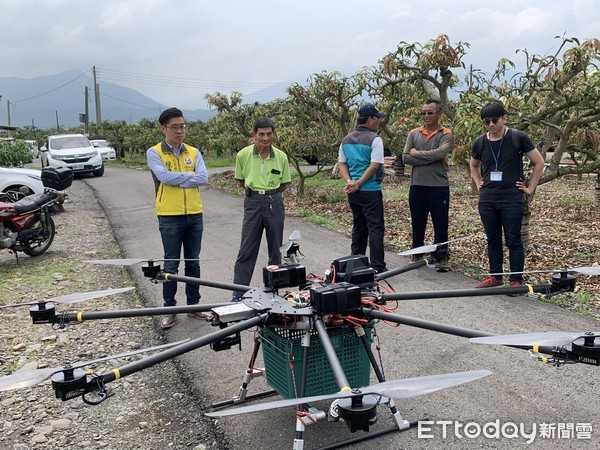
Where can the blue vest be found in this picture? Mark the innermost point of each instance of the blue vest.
(357, 149)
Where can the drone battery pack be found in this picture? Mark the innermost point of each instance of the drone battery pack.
(288, 275)
(58, 178)
(335, 298)
(354, 269)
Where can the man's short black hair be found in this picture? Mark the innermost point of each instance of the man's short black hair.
(264, 122)
(492, 110)
(169, 114)
(438, 105)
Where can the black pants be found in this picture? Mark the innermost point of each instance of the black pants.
(426, 200)
(261, 213)
(368, 225)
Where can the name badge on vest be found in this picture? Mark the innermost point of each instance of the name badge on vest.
(495, 176)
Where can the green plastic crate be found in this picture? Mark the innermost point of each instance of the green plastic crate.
(282, 347)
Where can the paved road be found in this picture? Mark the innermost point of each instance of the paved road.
(520, 390)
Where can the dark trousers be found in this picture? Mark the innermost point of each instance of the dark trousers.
(425, 201)
(496, 218)
(368, 225)
(177, 232)
(261, 212)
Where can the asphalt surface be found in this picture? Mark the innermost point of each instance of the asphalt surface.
(520, 391)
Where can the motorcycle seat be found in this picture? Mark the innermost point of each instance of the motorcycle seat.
(33, 202)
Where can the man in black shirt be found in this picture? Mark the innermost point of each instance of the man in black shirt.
(497, 169)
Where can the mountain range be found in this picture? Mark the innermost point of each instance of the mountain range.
(43, 101)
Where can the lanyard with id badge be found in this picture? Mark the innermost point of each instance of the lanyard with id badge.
(496, 175)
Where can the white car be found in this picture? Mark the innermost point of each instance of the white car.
(73, 151)
(13, 179)
(105, 151)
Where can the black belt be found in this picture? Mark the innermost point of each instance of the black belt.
(251, 192)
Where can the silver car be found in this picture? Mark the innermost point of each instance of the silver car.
(73, 151)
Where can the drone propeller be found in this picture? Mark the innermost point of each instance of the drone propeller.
(586, 270)
(551, 339)
(430, 248)
(132, 261)
(28, 378)
(73, 298)
(398, 389)
(295, 236)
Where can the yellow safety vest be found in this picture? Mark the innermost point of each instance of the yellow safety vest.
(174, 200)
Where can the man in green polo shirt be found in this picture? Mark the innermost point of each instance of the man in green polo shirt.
(264, 172)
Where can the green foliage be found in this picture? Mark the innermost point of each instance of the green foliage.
(14, 153)
(211, 162)
(313, 217)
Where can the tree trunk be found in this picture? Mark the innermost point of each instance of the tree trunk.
(399, 167)
(598, 191)
(335, 171)
(525, 229)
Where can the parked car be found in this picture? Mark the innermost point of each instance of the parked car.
(106, 151)
(73, 151)
(13, 179)
(33, 147)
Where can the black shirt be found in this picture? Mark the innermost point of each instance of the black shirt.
(505, 156)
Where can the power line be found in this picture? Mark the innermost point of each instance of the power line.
(125, 101)
(184, 82)
(51, 90)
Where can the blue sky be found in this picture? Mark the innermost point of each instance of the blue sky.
(176, 52)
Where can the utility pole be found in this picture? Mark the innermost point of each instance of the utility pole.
(8, 111)
(34, 132)
(86, 123)
(97, 97)
(57, 125)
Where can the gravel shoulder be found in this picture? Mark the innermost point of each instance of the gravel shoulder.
(152, 409)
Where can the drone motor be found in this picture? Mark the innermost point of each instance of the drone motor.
(563, 282)
(358, 412)
(42, 312)
(151, 271)
(588, 351)
(69, 383)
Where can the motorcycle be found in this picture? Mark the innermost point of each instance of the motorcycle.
(26, 224)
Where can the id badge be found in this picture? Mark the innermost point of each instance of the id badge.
(495, 176)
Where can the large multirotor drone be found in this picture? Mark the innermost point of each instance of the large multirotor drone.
(316, 334)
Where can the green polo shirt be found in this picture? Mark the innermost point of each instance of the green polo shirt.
(257, 173)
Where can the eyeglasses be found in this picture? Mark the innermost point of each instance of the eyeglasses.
(493, 120)
(176, 128)
(428, 113)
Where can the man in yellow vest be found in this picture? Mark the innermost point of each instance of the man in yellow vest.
(178, 170)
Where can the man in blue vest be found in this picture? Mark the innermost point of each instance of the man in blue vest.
(178, 170)
(360, 160)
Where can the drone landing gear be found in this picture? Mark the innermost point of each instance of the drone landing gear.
(359, 412)
(250, 373)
